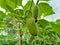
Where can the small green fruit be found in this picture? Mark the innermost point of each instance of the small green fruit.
(35, 12)
(32, 26)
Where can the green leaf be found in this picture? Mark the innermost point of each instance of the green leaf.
(11, 4)
(31, 39)
(2, 15)
(7, 5)
(17, 2)
(2, 36)
(8, 8)
(58, 39)
(58, 21)
(19, 12)
(27, 6)
(45, 9)
(3, 24)
(44, 0)
(9, 16)
(55, 27)
(43, 23)
(1, 2)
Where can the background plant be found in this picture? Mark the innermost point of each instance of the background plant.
(15, 28)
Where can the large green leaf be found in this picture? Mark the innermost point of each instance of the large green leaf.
(17, 2)
(58, 21)
(55, 27)
(11, 4)
(43, 23)
(27, 6)
(14, 3)
(44, 0)
(7, 5)
(45, 9)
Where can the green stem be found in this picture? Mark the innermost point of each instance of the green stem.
(44, 41)
(56, 42)
(20, 31)
(37, 2)
(31, 5)
(44, 37)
